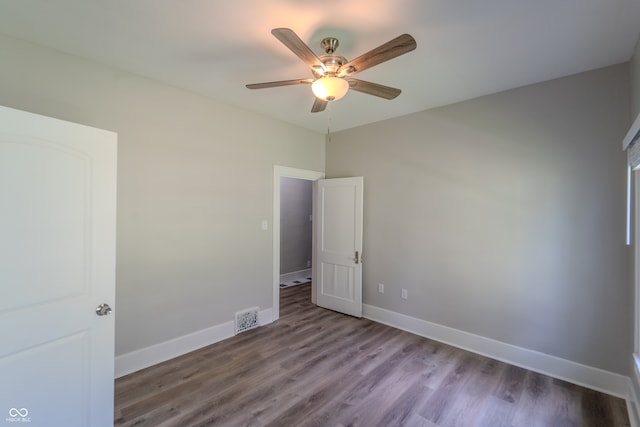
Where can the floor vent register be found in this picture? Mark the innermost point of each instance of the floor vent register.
(246, 319)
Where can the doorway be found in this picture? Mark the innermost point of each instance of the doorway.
(279, 173)
(296, 216)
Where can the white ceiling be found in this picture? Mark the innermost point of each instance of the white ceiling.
(466, 48)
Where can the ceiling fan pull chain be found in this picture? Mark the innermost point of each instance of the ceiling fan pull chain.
(329, 108)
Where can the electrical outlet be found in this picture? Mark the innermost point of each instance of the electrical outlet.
(308, 263)
(404, 294)
(380, 288)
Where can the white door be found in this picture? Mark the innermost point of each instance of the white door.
(57, 264)
(338, 275)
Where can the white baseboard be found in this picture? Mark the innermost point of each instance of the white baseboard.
(139, 359)
(295, 275)
(594, 378)
(633, 407)
(587, 376)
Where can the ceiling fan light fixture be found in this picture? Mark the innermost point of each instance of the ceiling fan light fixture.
(330, 88)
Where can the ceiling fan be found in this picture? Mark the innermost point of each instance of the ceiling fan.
(332, 74)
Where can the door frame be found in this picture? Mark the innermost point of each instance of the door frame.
(285, 172)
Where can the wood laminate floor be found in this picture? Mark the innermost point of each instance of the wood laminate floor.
(314, 367)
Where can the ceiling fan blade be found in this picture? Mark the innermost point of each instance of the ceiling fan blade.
(319, 105)
(391, 49)
(280, 83)
(300, 48)
(375, 89)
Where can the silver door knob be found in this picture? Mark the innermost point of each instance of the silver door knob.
(103, 310)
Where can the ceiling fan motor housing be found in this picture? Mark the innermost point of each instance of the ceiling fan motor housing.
(331, 63)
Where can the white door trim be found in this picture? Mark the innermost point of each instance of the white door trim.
(280, 172)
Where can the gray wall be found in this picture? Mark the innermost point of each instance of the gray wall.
(295, 227)
(504, 216)
(194, 183)
(635, 82)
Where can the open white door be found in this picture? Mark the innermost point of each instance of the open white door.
(57, 265)
(338, 274)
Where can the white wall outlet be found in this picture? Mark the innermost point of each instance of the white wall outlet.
(404, 294)
(380, 288)
(264, 225)
(308, 263)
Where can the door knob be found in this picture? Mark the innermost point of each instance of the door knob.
(103, 310)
